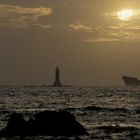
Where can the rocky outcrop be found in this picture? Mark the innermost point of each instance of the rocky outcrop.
(46, 123)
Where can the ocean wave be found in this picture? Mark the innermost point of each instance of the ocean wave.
(118, 129)
(96, 108)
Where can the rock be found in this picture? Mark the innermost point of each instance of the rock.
(14, 127)
(45, 123)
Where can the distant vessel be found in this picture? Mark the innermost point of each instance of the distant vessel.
(131, 81)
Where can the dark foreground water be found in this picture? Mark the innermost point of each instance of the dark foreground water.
(108, 113)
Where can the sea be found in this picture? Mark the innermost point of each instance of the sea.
(107, 113)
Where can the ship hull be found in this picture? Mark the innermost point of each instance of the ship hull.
(131, 81)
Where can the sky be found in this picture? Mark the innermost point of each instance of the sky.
(90, 40)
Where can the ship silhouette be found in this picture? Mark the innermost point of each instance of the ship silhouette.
(131, 81)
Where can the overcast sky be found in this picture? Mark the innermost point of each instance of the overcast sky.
(85, 38)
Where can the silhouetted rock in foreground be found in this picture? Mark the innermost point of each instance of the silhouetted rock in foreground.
(46, 123)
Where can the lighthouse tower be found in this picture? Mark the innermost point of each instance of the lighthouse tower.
(57, 82)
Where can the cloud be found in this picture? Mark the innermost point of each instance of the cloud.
(125, 27)
(116, 30)
(45, 26)
(98, 40)
(114, 36)
(126, 32)
(18, 16)
(114, 15)
(80, 26)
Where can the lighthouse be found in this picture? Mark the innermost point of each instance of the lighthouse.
(57, 82)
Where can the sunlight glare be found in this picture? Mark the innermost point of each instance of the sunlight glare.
(125, 14)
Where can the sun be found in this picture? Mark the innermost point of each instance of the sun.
(125, 14)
